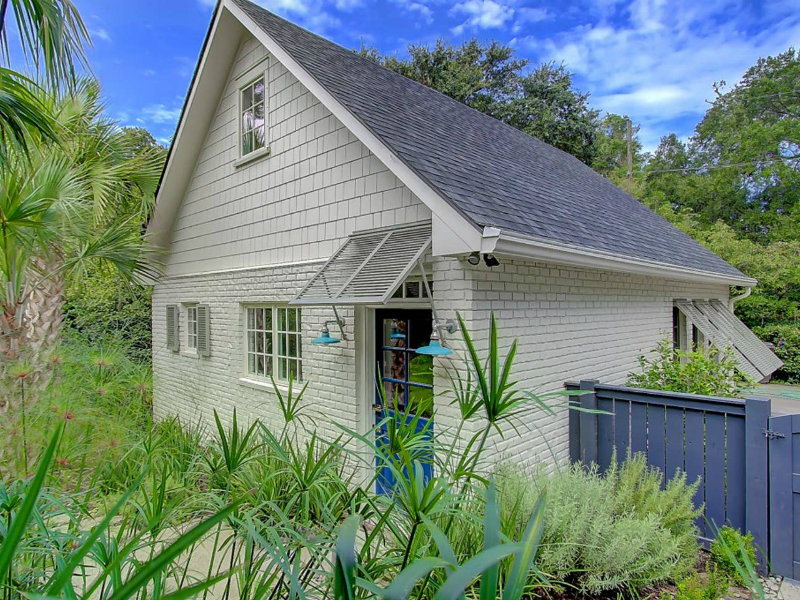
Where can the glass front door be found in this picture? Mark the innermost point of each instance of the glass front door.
(407, 381)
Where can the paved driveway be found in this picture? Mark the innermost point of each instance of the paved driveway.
(785, 398)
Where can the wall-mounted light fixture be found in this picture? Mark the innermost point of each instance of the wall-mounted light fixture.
(474, 259)
(325, 337)
(434, 346)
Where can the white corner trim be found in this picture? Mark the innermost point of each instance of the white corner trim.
(548, 251)
(461, 227)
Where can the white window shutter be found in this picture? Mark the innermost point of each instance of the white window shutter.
(173, 341)
(203, 330)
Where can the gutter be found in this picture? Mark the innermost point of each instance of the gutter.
(735, 299)
(497, 241)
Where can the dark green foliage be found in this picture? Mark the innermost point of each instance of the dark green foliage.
(712, 373)
(786, 339)
(106, 310)
(694, 587)
(728, 539)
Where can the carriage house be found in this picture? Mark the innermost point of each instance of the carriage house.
(325, 218)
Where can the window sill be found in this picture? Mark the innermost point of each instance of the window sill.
(189, 353)
(264, 384)
(248, 158)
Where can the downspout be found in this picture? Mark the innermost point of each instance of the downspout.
(735, 299)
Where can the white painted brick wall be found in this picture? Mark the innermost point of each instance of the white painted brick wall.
(570, 324)
(193, 387)
(318, 185)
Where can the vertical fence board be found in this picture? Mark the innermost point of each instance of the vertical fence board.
(780, 498)
(675, 442)
(622, 430)
(588, 422)
(715, 469)
(737, 486)
(656, 440)
(696, 460)
(605, 432)
(756, 422)
(638, 427)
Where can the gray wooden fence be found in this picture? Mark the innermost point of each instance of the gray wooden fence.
(721, 441)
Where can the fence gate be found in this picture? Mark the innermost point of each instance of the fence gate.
(784, 494)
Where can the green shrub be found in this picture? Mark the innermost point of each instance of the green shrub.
(786, 339)
(712, 373)
(693, 587)
(605, 533)
(104, 309)
(732, 539)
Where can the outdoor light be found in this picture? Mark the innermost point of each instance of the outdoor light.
(474, 259)
(396, 335)
(490, 261)
(434, 347)
(325, 337)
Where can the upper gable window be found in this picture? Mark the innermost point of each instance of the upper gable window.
(253, 111)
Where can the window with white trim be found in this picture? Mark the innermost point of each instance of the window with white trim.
(253, 126)
(274, 342)
(191, 327)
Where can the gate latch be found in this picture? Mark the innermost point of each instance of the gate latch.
(773, 435)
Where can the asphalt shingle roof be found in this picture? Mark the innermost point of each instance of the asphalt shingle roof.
(493, 173)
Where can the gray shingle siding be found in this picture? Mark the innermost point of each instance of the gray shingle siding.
(494, 174)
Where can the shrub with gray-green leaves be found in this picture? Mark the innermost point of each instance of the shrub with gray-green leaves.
(608, 532)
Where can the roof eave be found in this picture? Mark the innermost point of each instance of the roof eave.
(507, 243)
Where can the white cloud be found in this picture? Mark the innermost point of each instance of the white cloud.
(159, 113)
(658, 64)
(422, 10)
(482, 14)
(101, 34)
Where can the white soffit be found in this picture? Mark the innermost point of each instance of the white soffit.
(368, 267)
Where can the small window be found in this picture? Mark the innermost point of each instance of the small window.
(191, 327)
(274, 339)
(253, 116)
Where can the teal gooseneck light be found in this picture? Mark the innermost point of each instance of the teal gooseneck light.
(434, 347)
(325, 338)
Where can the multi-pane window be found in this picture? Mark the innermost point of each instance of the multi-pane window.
(274, 338)
(191, 327)
(289, 343)
(254, 128)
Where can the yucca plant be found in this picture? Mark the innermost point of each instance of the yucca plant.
(444, 573)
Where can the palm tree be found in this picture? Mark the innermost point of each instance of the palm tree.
(65, 207)
(52, 37)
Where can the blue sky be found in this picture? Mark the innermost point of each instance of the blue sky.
(653, 59)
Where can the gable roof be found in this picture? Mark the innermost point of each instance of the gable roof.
(490, 173)
(493, 173)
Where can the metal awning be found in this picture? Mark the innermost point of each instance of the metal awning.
(723, 329)
(368, 267)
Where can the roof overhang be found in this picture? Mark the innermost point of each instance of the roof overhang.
(500, 242)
